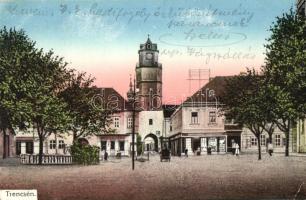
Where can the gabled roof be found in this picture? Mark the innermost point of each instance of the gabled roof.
(214, 88)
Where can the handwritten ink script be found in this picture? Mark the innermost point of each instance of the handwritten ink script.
(186, 31)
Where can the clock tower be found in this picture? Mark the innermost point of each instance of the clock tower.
(149, 77)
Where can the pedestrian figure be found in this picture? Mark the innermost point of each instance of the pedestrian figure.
(209, 150)
(237, 149)
(105, 155)
(186, 152)
(233, 148)
(270, 148)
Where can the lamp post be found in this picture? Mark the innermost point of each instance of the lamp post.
(133, 126)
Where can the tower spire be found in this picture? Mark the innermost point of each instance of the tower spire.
(131, 84)
(149, 40)
(130, 92)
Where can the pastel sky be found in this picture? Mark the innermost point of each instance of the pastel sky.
(102, 37)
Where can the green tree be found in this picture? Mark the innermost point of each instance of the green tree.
(243, 99)
(16, 52)
(88, 117)
(47, 111)
(29, 84)
(285, 71)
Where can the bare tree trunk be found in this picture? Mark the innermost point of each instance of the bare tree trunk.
(4, 144)
(41, 149)
(287, 143)
(270, 137)
(259, 147)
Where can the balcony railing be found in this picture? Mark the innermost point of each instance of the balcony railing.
(30, 159)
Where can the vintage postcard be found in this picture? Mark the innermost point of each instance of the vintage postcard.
(152, 99)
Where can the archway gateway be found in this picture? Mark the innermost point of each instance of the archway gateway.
(150, 142)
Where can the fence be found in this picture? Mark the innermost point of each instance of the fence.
(30, 159)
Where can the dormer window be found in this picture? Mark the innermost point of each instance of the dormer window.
(148, 46)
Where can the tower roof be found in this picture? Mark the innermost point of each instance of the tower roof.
(148, 40)
(148, 45)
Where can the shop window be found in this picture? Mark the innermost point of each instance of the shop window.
(263, 140)
(116, 122)
(277, 140)
(52, 144)
(212, 143)
(212, 117)
(150, 121)
(254, 141)
(103, 145)
(221, 144)
(61, 144)
(112, 145)
(121, 145)
(129, 122)
(194, 118)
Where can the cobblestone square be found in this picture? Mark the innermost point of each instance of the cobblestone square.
(195, 177)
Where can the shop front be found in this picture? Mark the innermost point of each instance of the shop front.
(197, 144)
(115, 144)
(216, 144)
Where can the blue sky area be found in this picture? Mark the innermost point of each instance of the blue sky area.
(102, 37)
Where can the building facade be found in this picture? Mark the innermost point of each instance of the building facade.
(199, 123)
(194, 125)
(149, 119)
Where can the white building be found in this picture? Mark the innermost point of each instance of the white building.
(198, 124)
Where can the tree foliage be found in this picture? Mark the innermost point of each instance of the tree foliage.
(244, 103)
(285, 71)
(87, 119)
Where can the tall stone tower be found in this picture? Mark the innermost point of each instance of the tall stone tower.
(149, 77)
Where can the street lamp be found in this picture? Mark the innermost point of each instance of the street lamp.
(133, 124)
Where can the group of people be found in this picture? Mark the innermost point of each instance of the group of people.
(236, 150)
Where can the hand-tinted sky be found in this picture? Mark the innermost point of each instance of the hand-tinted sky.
(103, 37)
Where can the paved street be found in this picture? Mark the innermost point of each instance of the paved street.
(204, 177)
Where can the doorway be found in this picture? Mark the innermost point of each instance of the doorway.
(196, 144)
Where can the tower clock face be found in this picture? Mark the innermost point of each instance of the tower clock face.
(149, 56)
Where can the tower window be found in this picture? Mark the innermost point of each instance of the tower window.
(150, 121)
(148, 46)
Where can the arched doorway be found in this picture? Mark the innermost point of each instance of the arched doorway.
(150, 142)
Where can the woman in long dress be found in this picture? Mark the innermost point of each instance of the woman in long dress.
(237, 149)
